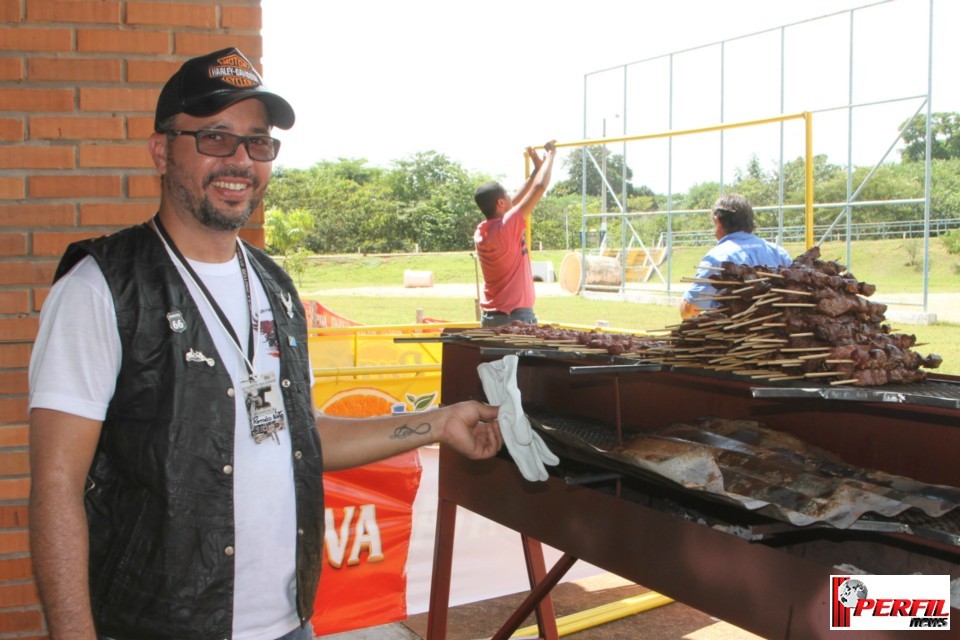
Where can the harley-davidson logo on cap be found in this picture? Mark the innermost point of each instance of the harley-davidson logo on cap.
(234, 69)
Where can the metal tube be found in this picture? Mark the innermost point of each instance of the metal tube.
(808, 188)
(928, 168)
(849, 213)
(683, 132)
(723, 51)
(337, 372)
(670, 181)
(783, 76)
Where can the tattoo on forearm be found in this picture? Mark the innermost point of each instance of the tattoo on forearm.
(405, 431)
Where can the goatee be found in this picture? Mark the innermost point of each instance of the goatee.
(210, 217)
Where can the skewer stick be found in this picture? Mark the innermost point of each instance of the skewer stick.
(801, 349)
(823, 374)
(769, 275)
(805, 305)
(814, 356)
(751, 321)
(757, 354)
(849, 381)
(792, 292)
(840, 361)
(711, 281)
(808, 334)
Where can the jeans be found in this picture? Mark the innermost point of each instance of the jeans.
(497, 319)
(300, 633)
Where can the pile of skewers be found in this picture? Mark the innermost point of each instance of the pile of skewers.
(808, 321)
(524, 335)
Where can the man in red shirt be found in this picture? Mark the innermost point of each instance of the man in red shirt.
(508, 292)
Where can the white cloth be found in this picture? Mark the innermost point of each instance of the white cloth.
(528, 450)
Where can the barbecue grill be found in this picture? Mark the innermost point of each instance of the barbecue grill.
(754, 567)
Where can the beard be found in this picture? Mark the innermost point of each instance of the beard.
(213, 218)
(201, 207)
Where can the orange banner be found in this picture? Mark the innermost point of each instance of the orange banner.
(369, 510)
(369, 514)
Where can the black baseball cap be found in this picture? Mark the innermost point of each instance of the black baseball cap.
(208, 84)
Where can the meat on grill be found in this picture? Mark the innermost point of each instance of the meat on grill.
(818, 322)
(614, 344)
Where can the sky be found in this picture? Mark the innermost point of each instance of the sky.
(479, 80)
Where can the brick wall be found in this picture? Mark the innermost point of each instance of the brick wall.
(79, 81)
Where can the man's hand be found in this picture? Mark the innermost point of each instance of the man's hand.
(471, 430)
(550, 147)
(534, 158)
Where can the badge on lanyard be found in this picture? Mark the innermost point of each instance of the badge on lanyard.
(264, 406)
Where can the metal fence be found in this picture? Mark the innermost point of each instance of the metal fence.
(900, 229)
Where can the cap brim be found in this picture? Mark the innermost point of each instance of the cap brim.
(281, 113)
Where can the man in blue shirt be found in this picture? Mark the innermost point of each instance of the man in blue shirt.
(733, 226)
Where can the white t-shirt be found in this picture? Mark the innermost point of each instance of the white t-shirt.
(74, 367)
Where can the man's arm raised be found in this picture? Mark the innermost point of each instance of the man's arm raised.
(541, 180)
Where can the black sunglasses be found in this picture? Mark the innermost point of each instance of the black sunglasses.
(221, 144)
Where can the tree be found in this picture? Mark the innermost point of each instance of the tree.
(945, 134)
(573, 164)
(436, 203)
(286, 229)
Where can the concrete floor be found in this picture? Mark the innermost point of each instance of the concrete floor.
(480, 620)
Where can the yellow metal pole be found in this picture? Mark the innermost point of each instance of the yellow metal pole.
(682, 132)
(601, 615)
(379, 370)
(808, 192)
(422, 330)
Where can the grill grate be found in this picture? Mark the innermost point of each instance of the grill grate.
(744, 464)
(931, 393)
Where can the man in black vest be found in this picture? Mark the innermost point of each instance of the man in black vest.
(175, 453)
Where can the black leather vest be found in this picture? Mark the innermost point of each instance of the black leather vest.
(160, 491)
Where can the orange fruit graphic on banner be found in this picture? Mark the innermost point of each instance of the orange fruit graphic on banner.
(360, 402)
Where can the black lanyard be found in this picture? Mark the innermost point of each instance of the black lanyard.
(228, 327)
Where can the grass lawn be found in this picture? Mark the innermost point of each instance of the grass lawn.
(337, 272)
